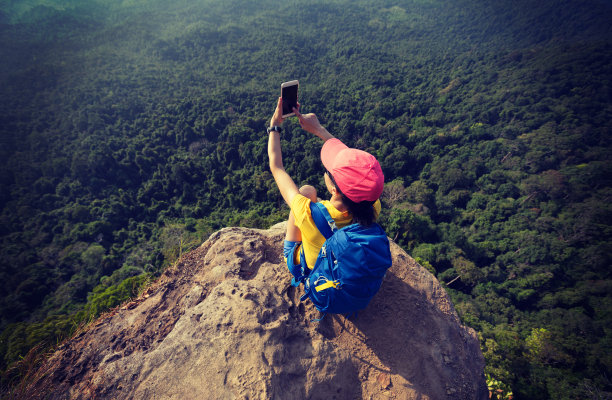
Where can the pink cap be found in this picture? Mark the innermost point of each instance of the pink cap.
(356, 172)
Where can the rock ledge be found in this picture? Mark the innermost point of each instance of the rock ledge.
(224, 323)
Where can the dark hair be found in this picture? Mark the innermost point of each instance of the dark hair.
(362, 212)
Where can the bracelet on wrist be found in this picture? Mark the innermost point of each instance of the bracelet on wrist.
(274, 128)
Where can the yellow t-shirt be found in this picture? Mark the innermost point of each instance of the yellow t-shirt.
(312, 239)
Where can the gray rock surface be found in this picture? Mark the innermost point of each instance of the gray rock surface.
(224, 323)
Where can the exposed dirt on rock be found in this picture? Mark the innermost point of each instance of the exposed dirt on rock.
(224, 323)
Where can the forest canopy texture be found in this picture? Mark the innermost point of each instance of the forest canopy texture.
(131, 130)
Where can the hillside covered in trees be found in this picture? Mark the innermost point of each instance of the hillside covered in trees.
(131, 130)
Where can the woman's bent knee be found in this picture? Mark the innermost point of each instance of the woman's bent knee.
(309, 192)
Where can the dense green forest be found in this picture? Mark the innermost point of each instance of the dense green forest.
(131, 130)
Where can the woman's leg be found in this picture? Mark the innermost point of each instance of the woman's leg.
(293, 232)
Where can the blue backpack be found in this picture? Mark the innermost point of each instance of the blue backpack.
(350, 266)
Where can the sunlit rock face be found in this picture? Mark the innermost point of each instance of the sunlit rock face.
(224, 323)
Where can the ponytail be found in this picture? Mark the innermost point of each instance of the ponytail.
(362, 212)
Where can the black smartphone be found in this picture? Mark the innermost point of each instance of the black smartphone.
(289, 93)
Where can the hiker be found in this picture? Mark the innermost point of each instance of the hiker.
(353, 178)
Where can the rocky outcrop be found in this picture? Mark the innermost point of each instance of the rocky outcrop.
(224, 323)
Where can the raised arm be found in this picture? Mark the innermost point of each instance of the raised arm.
(284, 182)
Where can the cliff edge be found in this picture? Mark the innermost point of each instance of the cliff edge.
(224, 323)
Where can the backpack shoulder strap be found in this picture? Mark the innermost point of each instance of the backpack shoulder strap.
(322, 219)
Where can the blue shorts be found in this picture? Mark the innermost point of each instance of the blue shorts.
(289, 250)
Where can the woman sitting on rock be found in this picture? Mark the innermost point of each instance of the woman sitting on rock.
(353, 178)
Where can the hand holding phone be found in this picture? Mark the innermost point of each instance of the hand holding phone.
(289, 94)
